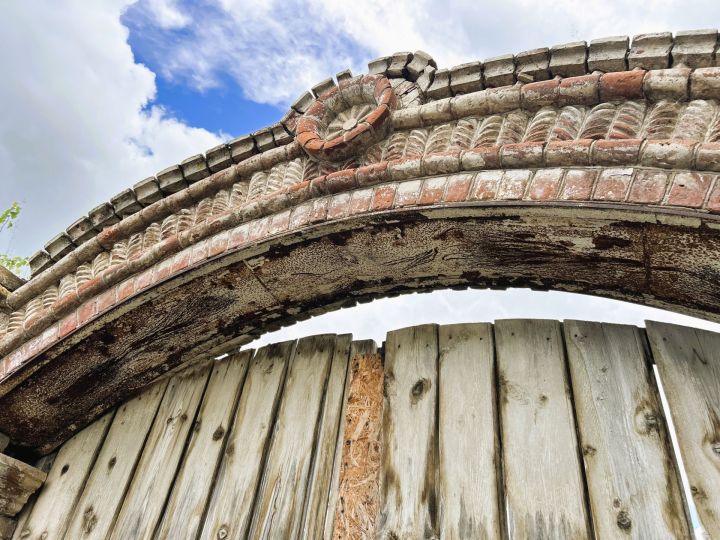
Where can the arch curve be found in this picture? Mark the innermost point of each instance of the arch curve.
(602, 183)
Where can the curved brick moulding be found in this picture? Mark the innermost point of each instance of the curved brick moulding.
(520, 171)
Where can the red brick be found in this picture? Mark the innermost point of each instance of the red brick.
(49, 336)
(162, 271)
(300, 215)
(199, 253)
(279, 223)
(372, 174)
(575, 153)
(485, 186)
(433, 190)
(616, 152)
(126, 289)
(613, 185)
(319, 211)
(238, 236)
(545, 185)
(713, 203)
(341, 181)
(144, 280)
(540, 94)
(67, 325)
(408, 193)
(578, 184)
(689, 189)
(529, 154)
(581, 90)
(339, 206)
(513, 185)
(383, 197)
(458, 187)
(181, 261)
(87, 311)
(107, 300)
(648, 187)
(481, 157)
(258, 229)
(622, 85)
(360, 202)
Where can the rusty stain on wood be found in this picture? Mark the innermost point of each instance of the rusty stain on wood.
(358, 501)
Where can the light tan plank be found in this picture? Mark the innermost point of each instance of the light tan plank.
(356, 501)
(143, 503)
(279, 505)
(18, 481)
(321, 472)
(543, 479)
(191, 490)
(45, 463)
(688, 360)
(468, 494)
(229, 511)
(632, 481)
(409, 505)
(100, 501)
(56, 500)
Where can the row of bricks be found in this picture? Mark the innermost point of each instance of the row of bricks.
(664, 153)
(678, 84)
(648, 51)
(641, 186)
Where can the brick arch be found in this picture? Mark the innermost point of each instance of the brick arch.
(601, 183)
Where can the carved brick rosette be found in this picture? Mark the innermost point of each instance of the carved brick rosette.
(347, 119)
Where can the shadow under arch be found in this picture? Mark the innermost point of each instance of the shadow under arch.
(656, 257)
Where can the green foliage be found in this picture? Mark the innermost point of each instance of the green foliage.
(7, 221)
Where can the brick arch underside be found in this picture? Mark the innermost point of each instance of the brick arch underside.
(657, 257)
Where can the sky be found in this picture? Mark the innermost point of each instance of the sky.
(98, 95)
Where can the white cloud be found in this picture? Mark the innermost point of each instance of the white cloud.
(75, 127)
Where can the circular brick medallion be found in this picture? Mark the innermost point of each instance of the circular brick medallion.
(347, 119)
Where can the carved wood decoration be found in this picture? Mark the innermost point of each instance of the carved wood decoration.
(591, 168)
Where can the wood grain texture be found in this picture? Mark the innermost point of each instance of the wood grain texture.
(468, 494)
(278, 509)
(230, 508)
(688, 360)
(632, 480)
(98, 506)
(57, 499)
(18, 481)
(45, 464)
(144, 500)
(408, 478)
(356, 505)
(543, 479)
(357, 349)
(321, 472)
(186, 505)
(7, 527)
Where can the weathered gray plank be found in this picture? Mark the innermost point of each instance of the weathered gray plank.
(688, 360)
(101, 498)
(18, 481)
(56, 500)
(321, 472)
(7, 527)
(278, 508)
(143, 503)
(543, 479)
(468, 487)
(632, 481)
(191, 490)
(229, 510)
(45, 463)
(409, 506)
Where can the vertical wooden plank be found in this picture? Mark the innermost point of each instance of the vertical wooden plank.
(544, 488)
(156, 469)
(229, 511)
(408, 478)
(279, 504)
(632, 481)
(356, 503)
(185, 508)
(56, 501)
(45, 464)
(321, 472)
(688, 360)
(100, 501)
(468, 487)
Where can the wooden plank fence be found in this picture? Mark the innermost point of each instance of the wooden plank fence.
(521, 429)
